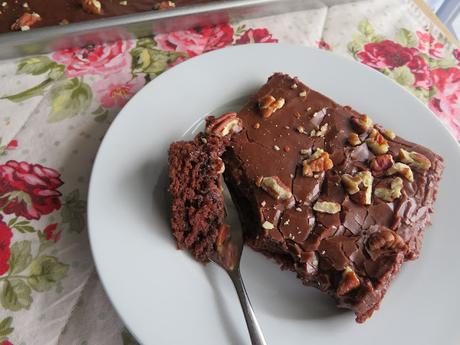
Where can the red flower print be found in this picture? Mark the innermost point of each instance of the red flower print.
(421, 71)
(12, 145)
(5, 240)
(256, 36)
(29, 190)
(323, 45)
(6, 342)
(446, 101)
(386, 54)
(220, 37)
(456, 53)
(196, 41)
(105, 58)
(51, 234)
(427, 44)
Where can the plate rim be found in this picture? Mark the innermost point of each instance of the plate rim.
(176, 69)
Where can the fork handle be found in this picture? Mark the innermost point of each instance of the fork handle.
(255, 332)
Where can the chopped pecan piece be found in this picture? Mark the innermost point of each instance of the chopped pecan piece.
(403, 169)
(267, 225)
(414, 159)
(26, 21)
(389, 134)
(319, 161)
(393, 192)
(354, 139)
(380, 164)
(164, 5)
(269, 104)
(92, 6)
(385, 239)
(377, 143)
(327, 207)
(228, 123)
(359, 186)
(349, 282)
(361, 123)
(276, 188)
(319, 132)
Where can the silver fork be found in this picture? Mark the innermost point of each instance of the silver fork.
(228, 257)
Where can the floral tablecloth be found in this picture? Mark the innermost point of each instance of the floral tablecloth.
(55, 109)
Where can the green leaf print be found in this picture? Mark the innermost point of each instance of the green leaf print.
(35, 65)
(365, 27)
(149, 60)
(15, 295)
(20, 256)
(73, 212)
(100, 114)
(5, 327)
(69, 97)
(403, 76)
(406, 38)
(37, 90)
(45, 272)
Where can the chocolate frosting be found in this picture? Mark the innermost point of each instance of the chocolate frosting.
(360, 245)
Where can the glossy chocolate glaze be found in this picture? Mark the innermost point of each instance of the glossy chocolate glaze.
(53, 12)
(319, 247)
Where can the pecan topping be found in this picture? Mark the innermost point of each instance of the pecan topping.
(26, 21)
(380, 164)
(361, 123)
(92, 6)
(414, 159)
(319, 161)
(354, 139)
(276, 188)
(228, 123)
(267, 225)
(402, 169)
(269, 104)
(359, 186)
(385, 239)
(391, 193)
(319, 132)
(389, 134)
(350, 281)
(164, 5)
(327, 207)
(377, 143)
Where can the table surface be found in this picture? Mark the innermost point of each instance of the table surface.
(55, 109)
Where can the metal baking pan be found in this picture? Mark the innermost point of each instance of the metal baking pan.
(44, 40)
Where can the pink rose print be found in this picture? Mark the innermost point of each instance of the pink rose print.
(106, 58)
(51, 234)
(421, 71)
(256, 36)
(323, 45)
(427, 44)
(29, 190)
(446, 102)
(115, 90)
(5, 240)
(456, 53)
(386, 54)
(6, 342)
(196, 41)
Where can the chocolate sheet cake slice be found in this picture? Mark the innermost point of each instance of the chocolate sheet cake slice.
(327, 193)
(197, 207)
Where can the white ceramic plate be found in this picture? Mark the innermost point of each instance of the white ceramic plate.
(165, 297)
